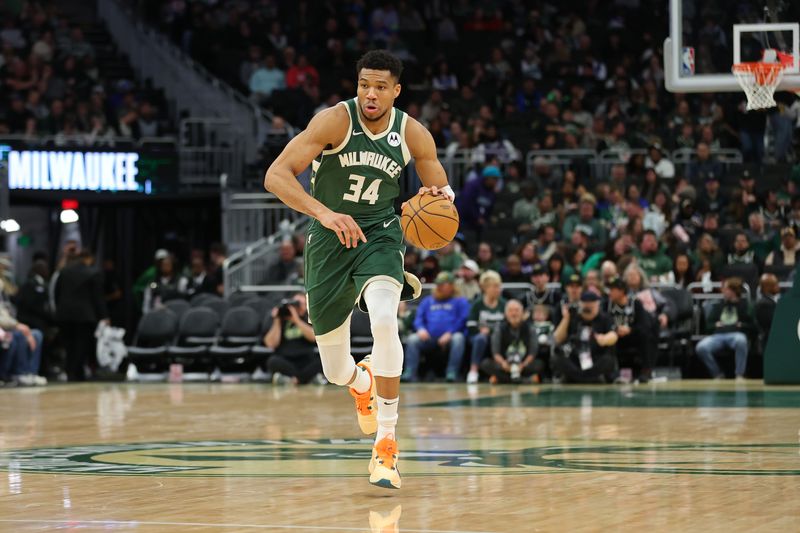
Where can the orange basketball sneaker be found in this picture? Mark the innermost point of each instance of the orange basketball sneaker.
(383, 470)
(367, 402)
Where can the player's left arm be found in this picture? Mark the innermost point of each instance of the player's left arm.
(423, 149)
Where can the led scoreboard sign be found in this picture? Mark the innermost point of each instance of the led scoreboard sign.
(85, 170)
(73, 171)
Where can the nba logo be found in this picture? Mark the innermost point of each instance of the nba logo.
(687, 61)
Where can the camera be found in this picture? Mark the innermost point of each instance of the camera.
(515, 362)
(283, 308)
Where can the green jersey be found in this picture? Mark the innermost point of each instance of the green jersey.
(360, 176)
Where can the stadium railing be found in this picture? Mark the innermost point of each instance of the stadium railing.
(185, 81)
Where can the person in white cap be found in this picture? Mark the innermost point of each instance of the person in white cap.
(467, 280)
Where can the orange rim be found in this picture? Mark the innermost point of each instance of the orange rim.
(764, 73)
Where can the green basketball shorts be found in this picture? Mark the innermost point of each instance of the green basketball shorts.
(335, 275)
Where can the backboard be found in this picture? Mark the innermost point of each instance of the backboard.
(706, 37)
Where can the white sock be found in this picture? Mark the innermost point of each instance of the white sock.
(387, 417)
(362, 382)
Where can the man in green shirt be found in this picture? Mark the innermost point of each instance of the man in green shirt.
(585, 220)
(653, 261)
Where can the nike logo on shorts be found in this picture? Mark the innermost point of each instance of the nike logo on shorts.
(386, 224)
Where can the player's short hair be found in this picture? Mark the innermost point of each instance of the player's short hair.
(380, 60)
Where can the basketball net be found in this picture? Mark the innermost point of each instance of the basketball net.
(760, 78)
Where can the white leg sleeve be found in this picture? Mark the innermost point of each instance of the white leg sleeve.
(334, 351)
(383, 299)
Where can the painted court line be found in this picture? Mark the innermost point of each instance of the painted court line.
(77, 522)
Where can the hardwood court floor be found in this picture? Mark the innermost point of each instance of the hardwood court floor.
(691, 456)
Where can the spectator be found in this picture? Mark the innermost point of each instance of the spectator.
(486, 259)
(786, 255)
(430, 269)
(167, 285)
(682, 274)
(586, 222)
(484, 315)
(540, 293)
(476, 201)
(742, 254)
(492, 146)
(250, 65)
(451, 257)
(266, 79)
(707, 256)
(656, 160)
(288, 269)
(80, 306)
(635, 347)
(196, 281)
(20, 349)
(585, 344)
(525, 211)
(302, 74)
(760, 236)
(292, 338)
(216, 253)
(514, 348)
(439, 325)
(728, 324)
(33, 305)
(142, 282)
(767, 302)
(704, 164)
(652, 260)
(512, 271)
(467, 284)
(653, 301)
(711, 199)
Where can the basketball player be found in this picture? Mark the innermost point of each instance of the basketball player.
(354, 247)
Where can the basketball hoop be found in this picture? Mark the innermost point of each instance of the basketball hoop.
(760, 78)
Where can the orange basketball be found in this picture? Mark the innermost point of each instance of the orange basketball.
(429, 221)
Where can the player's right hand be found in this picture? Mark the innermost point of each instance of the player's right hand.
(345, 228)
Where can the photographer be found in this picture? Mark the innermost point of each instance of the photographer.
(632, 324)
(292, 338)
(585, 343)
(514, 348)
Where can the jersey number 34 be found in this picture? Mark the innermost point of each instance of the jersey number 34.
(357, 186)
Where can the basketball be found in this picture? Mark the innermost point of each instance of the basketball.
(429, 221)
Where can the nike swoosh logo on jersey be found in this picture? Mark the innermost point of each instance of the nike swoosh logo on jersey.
(358, 132)
(386, 224)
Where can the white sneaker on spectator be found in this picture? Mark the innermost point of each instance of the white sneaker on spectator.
(280, 379)
(39, 381)
(472, 377)
(319, 379)
(740, 379)
(26, 380)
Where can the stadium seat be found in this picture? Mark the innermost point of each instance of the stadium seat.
(238, 334)
(155, 332)
(681, 323)
(239, 298)
(218, 305)
(179, 307)
(260, 305)
(196, 332)
(198, 299)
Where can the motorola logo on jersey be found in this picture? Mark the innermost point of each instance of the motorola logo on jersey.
(394, 139)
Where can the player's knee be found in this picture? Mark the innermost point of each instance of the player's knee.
(336, 373)
(383, 324)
